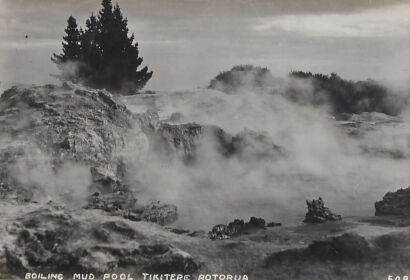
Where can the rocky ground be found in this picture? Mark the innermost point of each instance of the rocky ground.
(69, 202)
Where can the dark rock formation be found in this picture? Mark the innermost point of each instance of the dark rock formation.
(238, 227)
(185, 139)
(394, 203)
(318, 213)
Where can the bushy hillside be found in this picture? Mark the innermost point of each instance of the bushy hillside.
(242, 78)
(345, 96)
(306, 88)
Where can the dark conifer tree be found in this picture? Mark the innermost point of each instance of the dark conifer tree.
(105, 34)
(108, 57)
(71, 43)
(71, 51)
(90, 52)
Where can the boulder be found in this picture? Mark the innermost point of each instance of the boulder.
(318, 213)
(394, 204)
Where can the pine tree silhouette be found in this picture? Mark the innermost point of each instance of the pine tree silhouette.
(90, 52)
(71, 51)
(105, 55)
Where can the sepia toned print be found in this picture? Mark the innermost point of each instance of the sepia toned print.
(204, 139)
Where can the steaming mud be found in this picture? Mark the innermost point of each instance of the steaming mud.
(350, 162)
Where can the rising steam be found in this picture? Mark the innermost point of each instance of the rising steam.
(321, 158)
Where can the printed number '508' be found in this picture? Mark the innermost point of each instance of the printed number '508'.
(404, 277)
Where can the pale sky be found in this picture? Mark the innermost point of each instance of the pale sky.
(187, 42)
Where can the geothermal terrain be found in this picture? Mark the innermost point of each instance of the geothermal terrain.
(96, 183)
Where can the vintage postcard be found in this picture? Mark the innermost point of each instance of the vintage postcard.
(204, 139)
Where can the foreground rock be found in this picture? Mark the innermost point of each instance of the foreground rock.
(394, 203)
(55, 239)
(346, 256)
(318, 213)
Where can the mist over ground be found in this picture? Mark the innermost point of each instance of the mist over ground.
(321, 155)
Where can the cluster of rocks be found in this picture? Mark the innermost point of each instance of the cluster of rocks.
(238, 227)
(318, 213)
(124, 204)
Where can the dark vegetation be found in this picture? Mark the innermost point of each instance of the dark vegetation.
(103, 55)
(243, 77)
(306, 88)
(346, 96)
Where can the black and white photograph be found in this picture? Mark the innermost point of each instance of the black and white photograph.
(204, 139)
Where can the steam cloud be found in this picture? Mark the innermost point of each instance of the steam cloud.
(322, 160)
(68, 184)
